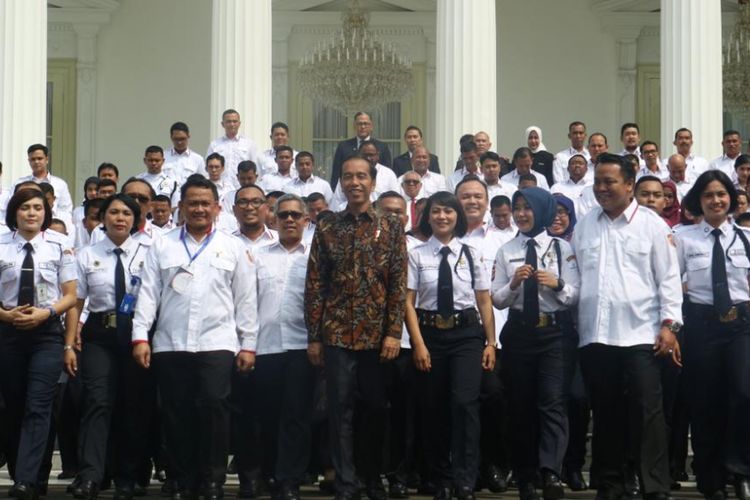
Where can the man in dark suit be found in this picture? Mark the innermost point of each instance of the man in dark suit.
(413, 139)
(345, 149)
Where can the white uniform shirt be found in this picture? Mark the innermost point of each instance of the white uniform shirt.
(457, 176)
(696, 165)
(163, 184)
(63, 201)
(723, 163)
(513, 177)
(411, 242)
(662, 173)
(96, 272)
(501, 189)
(424, 266)
(207, 305)
(560, 165)
(274, 182)
(570, 189)
(267, 162)
(684, 185)
(234, 151)
(180, 166)
(586, 202)
(281, 297)
(223, 187)
(512, 255)
(695, 251)
(385, 181)
(267, 237)
(146, 235)
(311, 185)
(53, 266)
(630, 277)
(431, 184)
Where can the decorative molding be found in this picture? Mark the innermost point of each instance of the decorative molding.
(375, 30)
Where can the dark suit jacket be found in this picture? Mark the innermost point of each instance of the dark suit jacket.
(347, 148)
(402, 164)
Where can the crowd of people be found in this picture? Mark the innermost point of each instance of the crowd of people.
(390, 331)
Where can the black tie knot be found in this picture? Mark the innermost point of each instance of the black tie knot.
(118, 251)
(716, 232)
(445, 251)
(28, 247)
(531, 242)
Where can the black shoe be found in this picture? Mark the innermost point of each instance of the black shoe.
(428, 488)
(465, 493)
(742, 488)
(288, 491)
(160, 475)
(442, 493)
(527, 492)
(87, 490)
(347, 496)
(397, 489)
(495, 480)
(123, 493)
(512, 481)
(66, 474)
(249, 489)
(575, 481)
(22, 490)
(232, 467)
(552, 488)
(73, 486)
(326, 487)
(657, 496)
(139, 490)
(632, 484)
(717, 495)
(681, 476)
(212, 491)
(375, 490)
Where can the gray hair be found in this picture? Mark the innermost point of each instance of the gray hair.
(290, 197)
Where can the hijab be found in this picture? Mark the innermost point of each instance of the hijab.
(538, 131)
(568, 204)
(671, 213)
(542, 204)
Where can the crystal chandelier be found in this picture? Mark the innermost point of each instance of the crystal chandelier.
(353, 70)
(736, 67)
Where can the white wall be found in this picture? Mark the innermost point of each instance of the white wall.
(153, 68)
(555, 65)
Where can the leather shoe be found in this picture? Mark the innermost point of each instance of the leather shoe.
(124, 492)
(495, 479)
(23, 491)
(657, 496)
(465, 493)
(249, 489)
(632, 484)
(527, 492)
(212, 491)
(717, 495)
(575, 481)
(552, 487)
(742, 488)
(442, 493)
(375, 490)
(66, 474)
(397, 489)
(87, 490)
(347, 496)
(288, 491)
(73, 486)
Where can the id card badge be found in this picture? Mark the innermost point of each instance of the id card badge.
(182, 280)
(127, 306)
(42, 293)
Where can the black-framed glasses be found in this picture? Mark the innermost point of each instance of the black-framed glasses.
(255, 202)
(289, 213)
(140, 198)
(410, 182)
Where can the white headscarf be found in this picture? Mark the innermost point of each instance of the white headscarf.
(538, 131)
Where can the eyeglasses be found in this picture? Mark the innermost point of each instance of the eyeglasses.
(140, 198)
(289, 213)
(650, 152)
(255, 202)
(410, 182)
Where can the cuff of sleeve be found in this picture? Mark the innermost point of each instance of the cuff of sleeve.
(247, 351)
(249, 344)
(139, 336)
(136, 342)
(395, 334)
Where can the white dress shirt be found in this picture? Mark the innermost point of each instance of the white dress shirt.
(684, 185)
(723, 163)
(586, 202)
(570, 189)
(63, 201)
(163, 184)
(53, 266)
(630, 277)
(560, 165)
(180, 166)
(424, 266)
(96, 272)
(281, 296)
(512, 255)
(146, 235)
(662, 173)
(457, 176)
(267, 162)
(267, 237)
(513, 177)
(501, 189)
(234, 151)
(431, 184)
(208, 304)
(307, 187)
(695, 251)
(384, 181)
(696, 165)
(274, 182)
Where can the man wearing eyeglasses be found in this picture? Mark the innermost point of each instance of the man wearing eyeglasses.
(345, 149)
(284, 376)
(653, 165)
(251, 211)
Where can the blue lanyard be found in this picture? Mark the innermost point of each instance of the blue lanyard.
(200, 250)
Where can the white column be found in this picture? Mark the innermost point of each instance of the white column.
(85, 102)
(627, 50)
(241, 69)
(691, 84)
(466, 97)
(23, 82)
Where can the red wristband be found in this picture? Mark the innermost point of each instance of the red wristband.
(136, 342)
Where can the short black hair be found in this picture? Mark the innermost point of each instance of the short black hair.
(522, 152)
(245, 166)
(107, 182)
(129, 202)
(628, 174)
(528, 177)
(444, 199)
(154, 149)
(38, 147)
(251, 186)
(304, 154)
(18, 199)
(58, 221)
(489, 155)
(163, 198)
(280, 125)
(468, 146)
(576, 124)
(229, 111)
(413, 127)
(47, 188)
(600, 135)
(144, 182)
(275, 194)
(646, 178)
(742, 159)
(465, 138)
(215, 156)
(179, 127)
(730, 132)
(284, 147)
(198, 181)
(499, 201)
(649, 143)
(360, 156)
(742, 218)
(107, 166)
(390, 194)
(692, 200)
(88, 205)
(682, 129)
(628, 125)
(313, 197)
(471, 178)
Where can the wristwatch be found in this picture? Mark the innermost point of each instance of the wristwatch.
(674, 326)
(67, 347)
(52, 312)
(560, 285)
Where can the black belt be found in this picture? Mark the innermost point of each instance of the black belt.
(545, 320)
(739, 310)
(458, 319)
(106, 319)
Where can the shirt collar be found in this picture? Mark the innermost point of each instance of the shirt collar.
(300, 248)
(435, 245)
(35, 241)
(369, 213)
(127, 245)
(628, 214)
(726, 228)
(542, 239)
(174, 152)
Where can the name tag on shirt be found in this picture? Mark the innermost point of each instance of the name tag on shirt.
(736, 252)
(182, 280)
(42, 293)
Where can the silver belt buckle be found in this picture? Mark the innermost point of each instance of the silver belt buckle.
(730, 316)
(111, 320)
(442, 323)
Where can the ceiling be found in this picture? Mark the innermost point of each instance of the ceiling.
(645, 5)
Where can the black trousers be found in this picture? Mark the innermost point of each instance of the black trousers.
(68, 423)
(118, 405)
(404, 437)
(285, 384)
(539, 363)
(245, 443)
(451, 402)
(626, 398)
(579, 416)
(716, 364)
(493, 414)
(30, 365)
(194, 388)
(355, 380)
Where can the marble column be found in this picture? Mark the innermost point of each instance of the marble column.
(241, 68)
(23, 82)
(466, 99)
(691, 83)
(86, 100)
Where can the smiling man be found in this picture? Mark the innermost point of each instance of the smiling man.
(354, 309)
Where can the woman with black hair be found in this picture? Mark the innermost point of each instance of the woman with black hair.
(713, 256)
(447, 284)
(109, 276)
(536, 276)
(37, 285)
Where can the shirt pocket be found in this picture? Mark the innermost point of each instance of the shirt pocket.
(98, 277)
(428, 275)
(590, 253)
(699, 263)
(222, 264)
(740, 262)
(48, 273)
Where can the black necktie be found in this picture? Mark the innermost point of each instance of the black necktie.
(722, 301)
(26, 290)
(122, 319)
(531, 287)
(445, 285)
